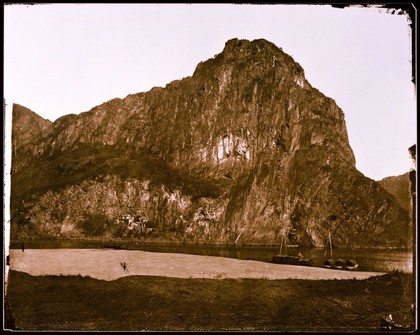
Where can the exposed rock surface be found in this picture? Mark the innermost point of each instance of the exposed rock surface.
(242, 151)
(399, 187)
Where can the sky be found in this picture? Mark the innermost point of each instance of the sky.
(68, 58)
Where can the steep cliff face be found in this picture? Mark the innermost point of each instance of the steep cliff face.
(244, 150)
(28, 129)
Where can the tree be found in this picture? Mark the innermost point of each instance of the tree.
(93, 224)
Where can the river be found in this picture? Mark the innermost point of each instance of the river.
(368, 259)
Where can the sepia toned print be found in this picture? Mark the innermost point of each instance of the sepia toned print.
(226, 200)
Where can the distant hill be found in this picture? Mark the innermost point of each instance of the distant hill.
(243, 151)
(399, 187)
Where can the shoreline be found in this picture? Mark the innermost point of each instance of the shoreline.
(15, 244)
(109, 264)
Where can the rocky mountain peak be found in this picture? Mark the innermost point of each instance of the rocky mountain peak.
(28, 127)
(244, 149)
(258, 53)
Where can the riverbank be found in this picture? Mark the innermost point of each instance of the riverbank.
(133, 243)
(151, 303)
(108, 264)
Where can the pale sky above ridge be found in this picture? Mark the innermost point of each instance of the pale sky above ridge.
(67, 58)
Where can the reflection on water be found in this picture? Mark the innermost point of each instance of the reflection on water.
(368, 259)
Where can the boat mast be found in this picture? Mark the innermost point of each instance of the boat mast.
(329, 238)
(281, 244)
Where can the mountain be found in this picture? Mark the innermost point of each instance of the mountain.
(27, 128)
(243, 151)
(399, 187)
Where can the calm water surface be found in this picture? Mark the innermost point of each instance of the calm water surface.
(368, 259)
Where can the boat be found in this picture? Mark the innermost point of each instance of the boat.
(290, 259)
(329, 263)
(351, 264)
(338, 264)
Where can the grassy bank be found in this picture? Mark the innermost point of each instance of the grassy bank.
(159, 303)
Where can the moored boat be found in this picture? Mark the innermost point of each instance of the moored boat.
(329, 263)
(351, 264)
(338, 264)
(290, 259)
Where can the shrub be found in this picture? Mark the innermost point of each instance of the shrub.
(93, 224)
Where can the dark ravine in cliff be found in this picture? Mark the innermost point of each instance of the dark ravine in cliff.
(242, 151)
